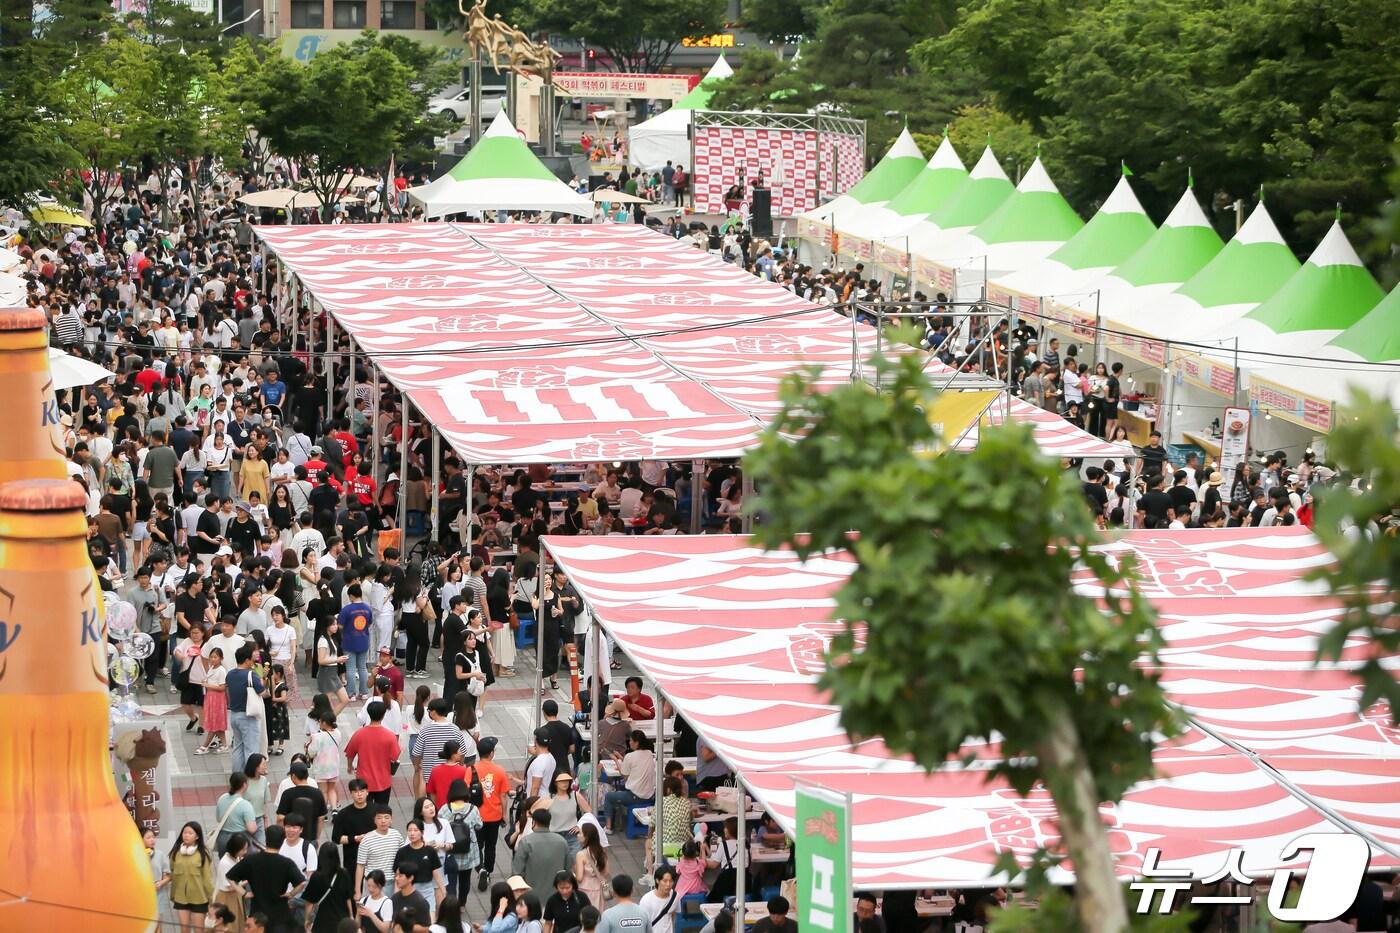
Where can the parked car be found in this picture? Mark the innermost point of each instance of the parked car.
(458, 105)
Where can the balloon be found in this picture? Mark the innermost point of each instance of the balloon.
(141, 646)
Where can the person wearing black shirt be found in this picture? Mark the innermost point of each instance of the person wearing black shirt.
(268, 875)
(524, 499)
(405, 898)
(1154, 455)
(566, 903)
(1183, 497)
(454, 638)
(1095, 492)
(1155, 502)
(354, 822)
(1210, 504)
(557, 736)
(1112, 395)
(208, 530)
(303, 789)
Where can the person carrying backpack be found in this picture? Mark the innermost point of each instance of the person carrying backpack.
(463, 818)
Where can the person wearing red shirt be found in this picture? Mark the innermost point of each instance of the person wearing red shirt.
(148, 379)
(360, 484)
(317, 470)
(390, 672)
(372, 752)
(348, 443)
(448, 770)
(639, 705)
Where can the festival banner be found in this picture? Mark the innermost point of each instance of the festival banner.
(1289, 404)
(1234, 441)
(823, 848)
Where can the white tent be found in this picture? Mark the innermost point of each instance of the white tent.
(500, 173)
(666, 136)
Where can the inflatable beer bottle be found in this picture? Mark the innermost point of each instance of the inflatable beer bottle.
(32, 445)
(67, 843)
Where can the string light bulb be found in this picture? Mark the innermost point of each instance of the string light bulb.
(1178, 411)
(1268, 415)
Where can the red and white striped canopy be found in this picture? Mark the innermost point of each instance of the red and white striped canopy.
(565, 343)
(1275, 747)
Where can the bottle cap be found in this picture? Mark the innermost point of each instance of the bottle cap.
(42, 495)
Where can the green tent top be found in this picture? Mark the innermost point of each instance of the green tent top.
(891, 174)
(1332, 291)
(1179, 249)
(499, 173)
(1112, 235)
(935, 184)
(699, 96)
(1252, 267)
(1376, 337)
(1035, 212)
(987, 187)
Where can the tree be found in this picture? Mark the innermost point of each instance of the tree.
(1367, 569)
(345, 109)
(92, 118)
(638, 36)
(431, 69)
(976, 125)
(782, 22)
(177, 110)
(969, 623)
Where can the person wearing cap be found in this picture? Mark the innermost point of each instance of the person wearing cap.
(388, 670)
(316, 466)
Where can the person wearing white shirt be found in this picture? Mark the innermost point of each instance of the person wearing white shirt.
(308, 537)
(227, 640)
(628, 502)
(301, 851)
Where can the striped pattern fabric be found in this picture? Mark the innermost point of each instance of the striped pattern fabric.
(1275, 746)
(564, 343)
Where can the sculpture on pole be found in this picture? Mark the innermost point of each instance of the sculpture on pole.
(507, 48)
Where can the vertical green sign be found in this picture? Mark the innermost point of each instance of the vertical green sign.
(823, 840)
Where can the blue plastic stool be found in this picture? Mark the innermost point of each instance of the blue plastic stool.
(688, 916)
(525, 635)
(634, 829)
(415, 523)
(768, 893)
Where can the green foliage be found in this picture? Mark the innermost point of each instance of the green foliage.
(350, 106)
(430, 69)
(1365, 441)
(1055, 912)
(174, 22)
(1247, 92)
(781, 21)
(964, 563)
(638, 36)
(962, 590)
(1012, 140)
(1387, 226)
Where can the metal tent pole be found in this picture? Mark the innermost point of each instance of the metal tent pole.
(746, 518)
(596, 697)
(656, 823)
(1098, 327)
(540, 615)
(741, 864)
(433, 529)
(330, 366)
(697, 468)
(403, 469)
(374, 437)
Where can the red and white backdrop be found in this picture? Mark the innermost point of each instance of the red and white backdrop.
(789, 160)
(1274, 747)
(561, 343)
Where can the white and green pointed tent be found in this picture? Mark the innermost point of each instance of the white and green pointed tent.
(1112, 235)
(1180, 248)
(1028, 226)
(499, 173)
(985, 190)
(1347, 361)
(666, 136)
(937, 181)
(898, 168)
(1331, 292)
(1254, 265)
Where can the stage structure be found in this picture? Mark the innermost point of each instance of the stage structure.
(803, 157)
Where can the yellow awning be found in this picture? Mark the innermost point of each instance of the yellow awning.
(53, 214)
